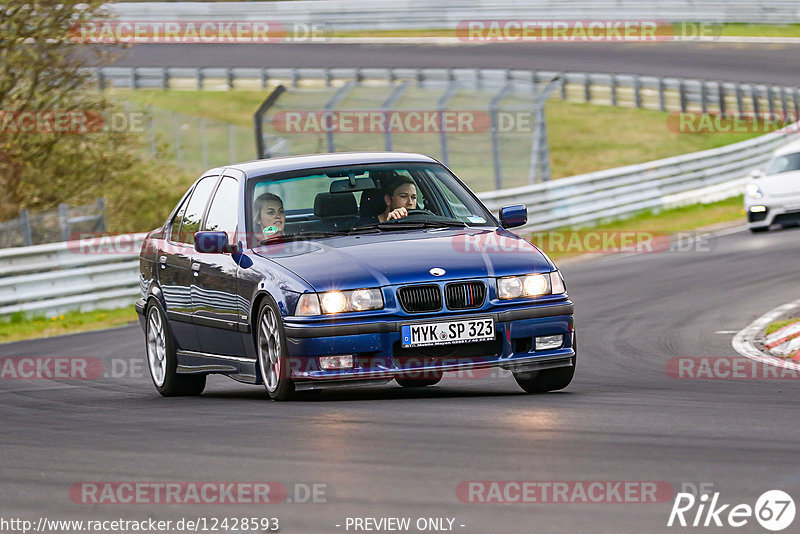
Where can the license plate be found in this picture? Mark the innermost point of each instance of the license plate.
(447, 333)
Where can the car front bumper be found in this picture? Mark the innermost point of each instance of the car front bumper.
(378, 354)
(772, 210)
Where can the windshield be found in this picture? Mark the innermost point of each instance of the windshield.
(785, 163)
(320, 203)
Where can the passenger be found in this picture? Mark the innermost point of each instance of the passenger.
(268, 215)
(400, 195)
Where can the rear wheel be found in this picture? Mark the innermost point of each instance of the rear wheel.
(162, 359)
(547, 379)
(271, 347)
(758, 229)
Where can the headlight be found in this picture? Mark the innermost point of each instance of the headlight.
(753, 191)
(530, 285)
(339, 302)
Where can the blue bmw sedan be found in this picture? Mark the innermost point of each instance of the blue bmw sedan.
(331, 270)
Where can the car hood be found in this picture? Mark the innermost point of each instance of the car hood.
(402, 257)
(778, 185)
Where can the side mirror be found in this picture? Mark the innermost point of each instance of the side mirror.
(212, 243)
(512, 216)
(756, 174)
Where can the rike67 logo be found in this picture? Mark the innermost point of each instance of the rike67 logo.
(774, 510)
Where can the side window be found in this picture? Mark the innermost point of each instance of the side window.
(194, 209)
(175, 225)
(223, 213)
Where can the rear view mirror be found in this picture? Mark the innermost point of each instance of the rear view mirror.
(512, 216)
(212, 242)
(358, 184)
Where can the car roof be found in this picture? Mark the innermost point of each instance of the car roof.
(311, 161)
(791, 148)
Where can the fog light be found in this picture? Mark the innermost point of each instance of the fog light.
(758, 209)
(549, 342)
(338, 361)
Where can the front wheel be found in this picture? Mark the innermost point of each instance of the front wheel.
(162, 359)
(758, 229)
(271, 347)
(547, 379)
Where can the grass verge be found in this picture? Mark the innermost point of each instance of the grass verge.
(18, 327)
(777, 325)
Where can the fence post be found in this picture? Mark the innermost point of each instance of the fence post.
(754, 97)
(387, 106)
(493, 105)
(441, 105)
(176, 130)
(662, 99)
(723, 105)
(152, 130)
(784, 104)
(63, 221)
(25, 228)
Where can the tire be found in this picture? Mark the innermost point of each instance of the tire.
(548, 379)
(162, 359)
(411, 382)
(270, 341)
(759, 229)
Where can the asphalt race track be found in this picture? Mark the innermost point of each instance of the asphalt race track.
(388, 452)
(762, 63)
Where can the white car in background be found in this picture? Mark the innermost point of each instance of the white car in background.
(773, 196)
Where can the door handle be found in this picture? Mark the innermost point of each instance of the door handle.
(195, 268)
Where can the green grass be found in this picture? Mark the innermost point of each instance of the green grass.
(17, 327)
(650, 224)
(777, 325)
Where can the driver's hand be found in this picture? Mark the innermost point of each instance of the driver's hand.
(397, 214)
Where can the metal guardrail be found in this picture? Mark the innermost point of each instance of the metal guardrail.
(56, 277)
(704, 176)
(409, 14)
(627, 90)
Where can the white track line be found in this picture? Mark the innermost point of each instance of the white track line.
(743, 341)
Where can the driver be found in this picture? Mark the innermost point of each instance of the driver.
(400, 195)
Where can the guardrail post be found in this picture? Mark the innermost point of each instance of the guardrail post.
(63, 221)
(563, 86)
(740, 98)
(358, 77)
(754, 96)
(100, 203)
(199, 78)
(133, 79)
(420, 77)
(264, 78)
(612, 82)
(771, 99)
(796, 99)
(723, 105)
(703, 97)
(682, 94)
(784, 103)
(101, 81)
(164, 79)
(637, 90)
(328, 77)
(587, 87)
(662, 99)
(294, 77)
(229, 77)
(25, 228)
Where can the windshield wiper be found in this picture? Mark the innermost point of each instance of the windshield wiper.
(407, 225)
(298, 237)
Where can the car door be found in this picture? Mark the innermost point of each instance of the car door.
(214, 296)
(174, 269)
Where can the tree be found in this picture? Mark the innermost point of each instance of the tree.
(45, 85)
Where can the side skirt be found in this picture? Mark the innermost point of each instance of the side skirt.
(241, 369)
